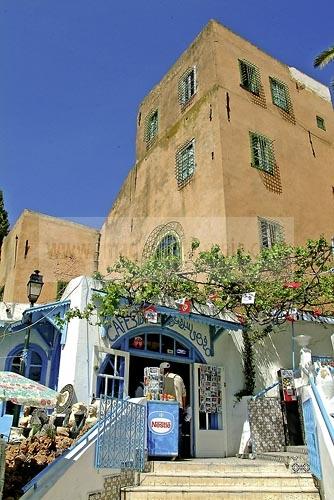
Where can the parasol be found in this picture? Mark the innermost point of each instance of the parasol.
(23, 391)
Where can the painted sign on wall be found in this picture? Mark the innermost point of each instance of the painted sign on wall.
(120, 326)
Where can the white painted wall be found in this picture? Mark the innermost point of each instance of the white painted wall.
(11, 311)
(275, 351)
(310, 84)
(76, 360)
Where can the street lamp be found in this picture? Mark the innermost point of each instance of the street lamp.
(34, 288)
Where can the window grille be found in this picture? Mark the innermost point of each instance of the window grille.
(262, 153)
(321, 123)
(187, 86)
(169, 246)
(151, 129)
(250, 77)
(280, 95)
(185, 163)
(270, 233)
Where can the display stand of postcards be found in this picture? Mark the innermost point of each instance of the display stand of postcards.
(210, 394)
(153, 382)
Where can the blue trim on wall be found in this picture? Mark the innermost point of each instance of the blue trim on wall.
(55, 362)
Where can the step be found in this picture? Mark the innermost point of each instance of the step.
(293, 450)
(228, 492)
(223, 466)
(230, 479)
(297, 462)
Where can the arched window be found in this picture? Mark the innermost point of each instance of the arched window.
(165, 240)
(36, 362)
(169, 246)
(159, 343)
(36, 366)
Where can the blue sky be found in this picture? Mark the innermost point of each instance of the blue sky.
(73, 73)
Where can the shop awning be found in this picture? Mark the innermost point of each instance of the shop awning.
(35, 317)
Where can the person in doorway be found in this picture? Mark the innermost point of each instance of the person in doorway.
(139, 392)
(174, 385)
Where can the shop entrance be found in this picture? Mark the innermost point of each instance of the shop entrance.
(205, 431)
(137, 366)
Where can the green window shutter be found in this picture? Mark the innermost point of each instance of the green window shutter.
(169, 246)
(321, 123)
(262, 153)
(151, 127)
(280, 95)
(249, 77)
(187, 86)
(185, 163)
(271, 233)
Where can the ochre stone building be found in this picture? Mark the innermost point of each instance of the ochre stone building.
(60, 249)
(233, 147)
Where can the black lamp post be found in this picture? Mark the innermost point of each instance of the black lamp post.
(34, 288)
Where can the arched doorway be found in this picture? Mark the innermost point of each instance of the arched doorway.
(121, 368)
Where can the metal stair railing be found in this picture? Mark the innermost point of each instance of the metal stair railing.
(121, 435)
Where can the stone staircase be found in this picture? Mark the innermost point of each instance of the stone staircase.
(200, 479)
(294, 457)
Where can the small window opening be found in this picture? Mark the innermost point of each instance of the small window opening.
(321, 123)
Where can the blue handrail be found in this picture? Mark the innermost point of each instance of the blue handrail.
(263, 391)
(323, 410)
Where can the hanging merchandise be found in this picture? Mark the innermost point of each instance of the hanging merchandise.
(210, 394)
(153, 383)
(288, 385)
(150, 314)
(248, 298)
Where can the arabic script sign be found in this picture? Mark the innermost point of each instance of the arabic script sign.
(121, 326)
(201, 339)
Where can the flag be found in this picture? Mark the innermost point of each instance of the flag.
(150, 314)
(180, 302)
(248, 298)
(292, 284)
(185, 308)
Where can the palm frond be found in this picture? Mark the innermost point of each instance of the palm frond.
(324, 58)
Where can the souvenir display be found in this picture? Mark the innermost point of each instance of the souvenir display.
(153, 383)
(210, 394)
(288, 386)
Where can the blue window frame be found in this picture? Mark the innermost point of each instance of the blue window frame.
(36, 364)
(36, 367)
(159, 343)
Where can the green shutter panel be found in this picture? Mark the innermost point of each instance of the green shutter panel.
(250, 77)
